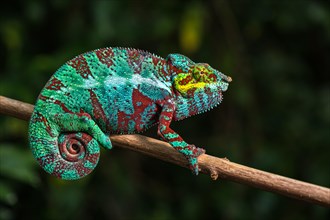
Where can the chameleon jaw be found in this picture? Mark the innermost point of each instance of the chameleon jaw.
(223, 86)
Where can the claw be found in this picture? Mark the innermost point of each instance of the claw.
(198, 151)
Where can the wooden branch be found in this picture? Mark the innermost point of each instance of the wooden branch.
(15, 108)
(215, 167)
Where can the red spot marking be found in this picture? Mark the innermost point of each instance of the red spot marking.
(54, 84)
(93, 158)
(45, 160)
(133, 55)
(191, 92)
(144, 101)
(84, 114)
(169, 114)
(189, 78)
(81, 66)
(42, 119)
(123, 120)
(135, 58)
(57, 102)
(81, 170)
(59, 168)
(193, 111)
(62, 105)
(105, 56)
(176, 139)
(208, 92)
(172, 69)
(86, 138)
(186, 80)
(155, 60)
(98, 111)
(165, 70)
(212, 78)
(42, 97)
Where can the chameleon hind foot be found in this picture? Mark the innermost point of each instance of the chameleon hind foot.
(82, 122)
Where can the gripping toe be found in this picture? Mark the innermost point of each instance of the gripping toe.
(193, 158)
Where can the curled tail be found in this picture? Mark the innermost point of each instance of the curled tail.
(66, 145)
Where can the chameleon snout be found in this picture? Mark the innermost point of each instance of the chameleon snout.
(229, 79)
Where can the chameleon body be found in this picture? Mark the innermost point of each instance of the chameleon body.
(117, 90)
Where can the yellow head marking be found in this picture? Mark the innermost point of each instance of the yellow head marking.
(185, 83)
(199, 77)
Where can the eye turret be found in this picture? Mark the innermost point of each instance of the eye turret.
(204, 73)
(199, 72)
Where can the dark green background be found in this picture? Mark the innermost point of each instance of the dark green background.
(275, 115)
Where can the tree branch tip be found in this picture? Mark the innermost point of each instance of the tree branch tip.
(214, 174)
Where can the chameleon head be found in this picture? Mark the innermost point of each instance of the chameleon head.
(198, 86)
(200, 78)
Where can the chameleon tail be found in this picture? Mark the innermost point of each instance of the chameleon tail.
(68, 155)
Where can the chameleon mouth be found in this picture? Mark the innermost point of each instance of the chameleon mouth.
(224, 82)
(223, 86)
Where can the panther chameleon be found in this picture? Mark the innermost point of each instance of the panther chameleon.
(117, 90)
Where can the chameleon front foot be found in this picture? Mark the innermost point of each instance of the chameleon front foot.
(192, 157)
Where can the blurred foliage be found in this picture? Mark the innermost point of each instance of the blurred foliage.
(275, 115)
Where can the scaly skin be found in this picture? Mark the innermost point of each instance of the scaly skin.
(117, 90)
